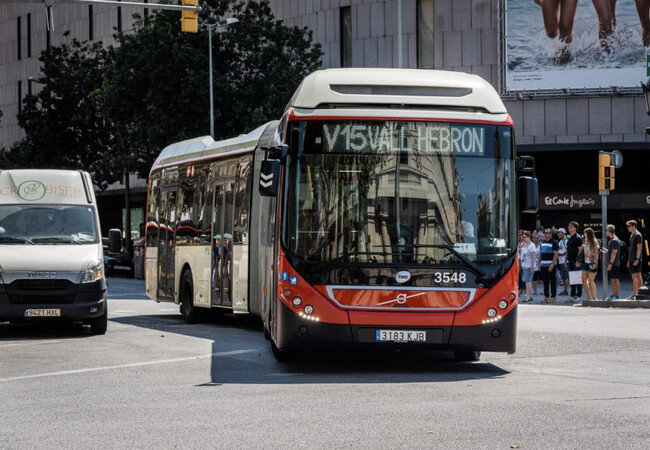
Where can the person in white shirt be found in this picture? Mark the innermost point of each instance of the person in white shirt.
(561, 259)
(527, 260)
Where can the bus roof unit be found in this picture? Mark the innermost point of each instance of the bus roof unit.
(334, 88)
(205, 146)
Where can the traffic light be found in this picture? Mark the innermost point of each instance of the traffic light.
(605, 172)
(190, 19)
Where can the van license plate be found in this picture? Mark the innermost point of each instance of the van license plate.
(122, 268)
(45, 312)
(400, 336)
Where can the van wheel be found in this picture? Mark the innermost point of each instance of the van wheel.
(467, 356)
(190, 313)
(100, 324)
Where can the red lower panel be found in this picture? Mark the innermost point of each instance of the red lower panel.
(395, 298)
(401, 319)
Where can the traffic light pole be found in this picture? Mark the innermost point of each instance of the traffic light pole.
(605, 256)
(111, 3)
(49, 6)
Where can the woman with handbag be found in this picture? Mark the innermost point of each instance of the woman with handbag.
(590, 251)
(527, 265)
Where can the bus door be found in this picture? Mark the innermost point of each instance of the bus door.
(166, 245)
(222, 228)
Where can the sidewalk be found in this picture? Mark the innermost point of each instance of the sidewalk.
(625, 292)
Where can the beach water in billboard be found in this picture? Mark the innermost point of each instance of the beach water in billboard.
(593, 58)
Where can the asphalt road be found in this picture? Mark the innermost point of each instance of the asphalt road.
(580, 378)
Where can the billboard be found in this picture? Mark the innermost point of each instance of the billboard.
(571, 44)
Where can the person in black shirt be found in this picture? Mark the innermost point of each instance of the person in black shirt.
(635, 256)
(572, 249)
(613, 258)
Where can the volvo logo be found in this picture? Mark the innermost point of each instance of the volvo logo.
(402, 276)
(41, 274)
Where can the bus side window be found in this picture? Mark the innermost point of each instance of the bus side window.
(202, 216)
(186, 229)
(153, 213)
(240, 228)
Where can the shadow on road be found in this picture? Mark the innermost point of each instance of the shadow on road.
(44, 330)
(258, 366)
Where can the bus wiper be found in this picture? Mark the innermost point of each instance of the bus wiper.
(16, 239)
(472, 266)
(342, 257)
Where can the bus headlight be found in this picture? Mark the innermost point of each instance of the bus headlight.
(503, 304)
(94, 271)
(309, 309)
(296, 301)
(491, 312)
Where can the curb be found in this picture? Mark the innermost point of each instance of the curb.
(617, 303)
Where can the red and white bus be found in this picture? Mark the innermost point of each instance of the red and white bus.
(381, 210)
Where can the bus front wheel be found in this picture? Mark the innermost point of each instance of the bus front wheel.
(467, 356)
(190, 313)
(281, 355)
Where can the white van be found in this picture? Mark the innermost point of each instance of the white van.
(51, 257)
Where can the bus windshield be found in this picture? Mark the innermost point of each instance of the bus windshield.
(47, 224)
(400, 192)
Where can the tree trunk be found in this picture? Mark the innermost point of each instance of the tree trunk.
(127, 205)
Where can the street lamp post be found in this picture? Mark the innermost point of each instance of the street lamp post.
(210, 27)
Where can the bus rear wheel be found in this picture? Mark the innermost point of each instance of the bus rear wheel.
(467, 356)
(190, 313)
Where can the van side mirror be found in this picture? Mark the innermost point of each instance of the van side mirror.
(270, 178)
(114, 240)
(528, 195)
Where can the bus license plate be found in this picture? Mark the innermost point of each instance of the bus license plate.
(45, 312)
(400, 336)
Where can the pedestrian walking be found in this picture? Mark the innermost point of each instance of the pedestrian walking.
(591, 250)
(563, 272)
(520, 244)
(635, 257)
(527, 264)
(548, 261)
(536, 274)
(613, 259)
(574, 242)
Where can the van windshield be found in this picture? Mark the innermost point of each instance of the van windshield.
(47, 224)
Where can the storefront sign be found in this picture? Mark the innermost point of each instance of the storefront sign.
(557, 201)
(570, 201)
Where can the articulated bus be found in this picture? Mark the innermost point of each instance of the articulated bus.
(379, 211)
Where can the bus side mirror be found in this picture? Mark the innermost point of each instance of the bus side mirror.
(270, 178)
(114, 240)
(528, 195)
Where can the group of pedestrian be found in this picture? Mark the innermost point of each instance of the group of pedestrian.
(550, 255)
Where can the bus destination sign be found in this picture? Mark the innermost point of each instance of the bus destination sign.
(416, 137)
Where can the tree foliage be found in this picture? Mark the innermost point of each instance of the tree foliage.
(110, 110)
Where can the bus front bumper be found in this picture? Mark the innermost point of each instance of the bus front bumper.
(295, 333)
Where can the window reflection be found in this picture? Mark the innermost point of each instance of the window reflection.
(402, 204)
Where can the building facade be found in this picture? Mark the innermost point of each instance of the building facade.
(23, 36)
(564, 128)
